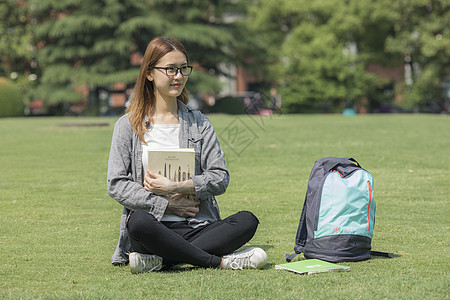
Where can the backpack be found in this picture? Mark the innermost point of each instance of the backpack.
(338, 215)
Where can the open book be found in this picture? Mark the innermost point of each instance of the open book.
(174, 164)
(311, 266)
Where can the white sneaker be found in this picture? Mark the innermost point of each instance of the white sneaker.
(251, 258)
(140, 263)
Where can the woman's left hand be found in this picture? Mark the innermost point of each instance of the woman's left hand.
(156, 183)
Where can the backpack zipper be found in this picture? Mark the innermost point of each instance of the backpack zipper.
(336, 171)
(368, 207)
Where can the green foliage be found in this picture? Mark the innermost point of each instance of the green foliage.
(200, 82)
(87, 42)
(18, 54)
(422, 38)
(81, 46)
(228, 105)
(317, 73)
(319, 51)
(16, 46)
(11, 102)
(314, 63)
(59, 229)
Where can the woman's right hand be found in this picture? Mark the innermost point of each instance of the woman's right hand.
(182, 205)
(156, 183)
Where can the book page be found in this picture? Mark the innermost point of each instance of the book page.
(175, 164)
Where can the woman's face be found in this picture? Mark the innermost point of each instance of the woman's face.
(169, 87)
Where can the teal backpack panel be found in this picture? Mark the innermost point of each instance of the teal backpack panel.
(347, 205)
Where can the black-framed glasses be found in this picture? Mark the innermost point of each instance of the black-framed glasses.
(173, 71)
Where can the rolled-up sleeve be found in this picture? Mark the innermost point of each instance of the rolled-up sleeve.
(214, 177)
(121, 184)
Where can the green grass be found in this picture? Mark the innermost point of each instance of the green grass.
(59, 227)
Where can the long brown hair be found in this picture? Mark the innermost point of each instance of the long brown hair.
(143, 96)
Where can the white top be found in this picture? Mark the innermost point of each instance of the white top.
(161, 136)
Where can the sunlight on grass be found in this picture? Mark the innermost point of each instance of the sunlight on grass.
(59, 226)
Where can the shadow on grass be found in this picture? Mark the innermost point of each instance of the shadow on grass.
(395, 255)
(264, 247)
(186, 267)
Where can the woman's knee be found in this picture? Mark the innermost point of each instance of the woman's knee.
(140, 220)
(248, 219)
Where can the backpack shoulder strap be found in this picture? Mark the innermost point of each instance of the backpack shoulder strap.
(302, 234)
(384, 254)
(290, 257)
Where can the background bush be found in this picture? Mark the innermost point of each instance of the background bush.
(228, 105)
(11, 104)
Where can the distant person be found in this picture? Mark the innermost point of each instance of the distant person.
(275, 100)
(165, 223)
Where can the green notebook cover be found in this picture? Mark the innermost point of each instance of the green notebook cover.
(311, 266)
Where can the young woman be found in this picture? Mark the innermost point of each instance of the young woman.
(164, 222)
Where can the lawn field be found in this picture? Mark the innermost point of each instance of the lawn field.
(59, 227)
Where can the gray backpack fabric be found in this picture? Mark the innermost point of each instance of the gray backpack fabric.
(338, 215)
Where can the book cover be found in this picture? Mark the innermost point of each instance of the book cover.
(175, 164)
(311, 266)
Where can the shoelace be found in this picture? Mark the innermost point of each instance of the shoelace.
(238, 262)
(152, 260)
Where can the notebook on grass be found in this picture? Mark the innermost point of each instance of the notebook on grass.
(311, 266)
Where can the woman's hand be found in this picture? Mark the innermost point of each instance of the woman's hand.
(182, 205)
(156, 183)
(162, 186)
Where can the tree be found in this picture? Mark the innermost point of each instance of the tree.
(15, 38)
(319, 51)
(79, 43)
(421, 39)
(17, 60)
(316, 54)
(84, 42)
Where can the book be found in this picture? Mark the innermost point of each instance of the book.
(176, 164)
(311, 266)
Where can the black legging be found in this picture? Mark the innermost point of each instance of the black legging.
(176, 242)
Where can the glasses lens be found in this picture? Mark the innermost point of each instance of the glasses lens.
(185, 71)
(171, 71)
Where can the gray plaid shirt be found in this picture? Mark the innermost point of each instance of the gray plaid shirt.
(125, 173)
